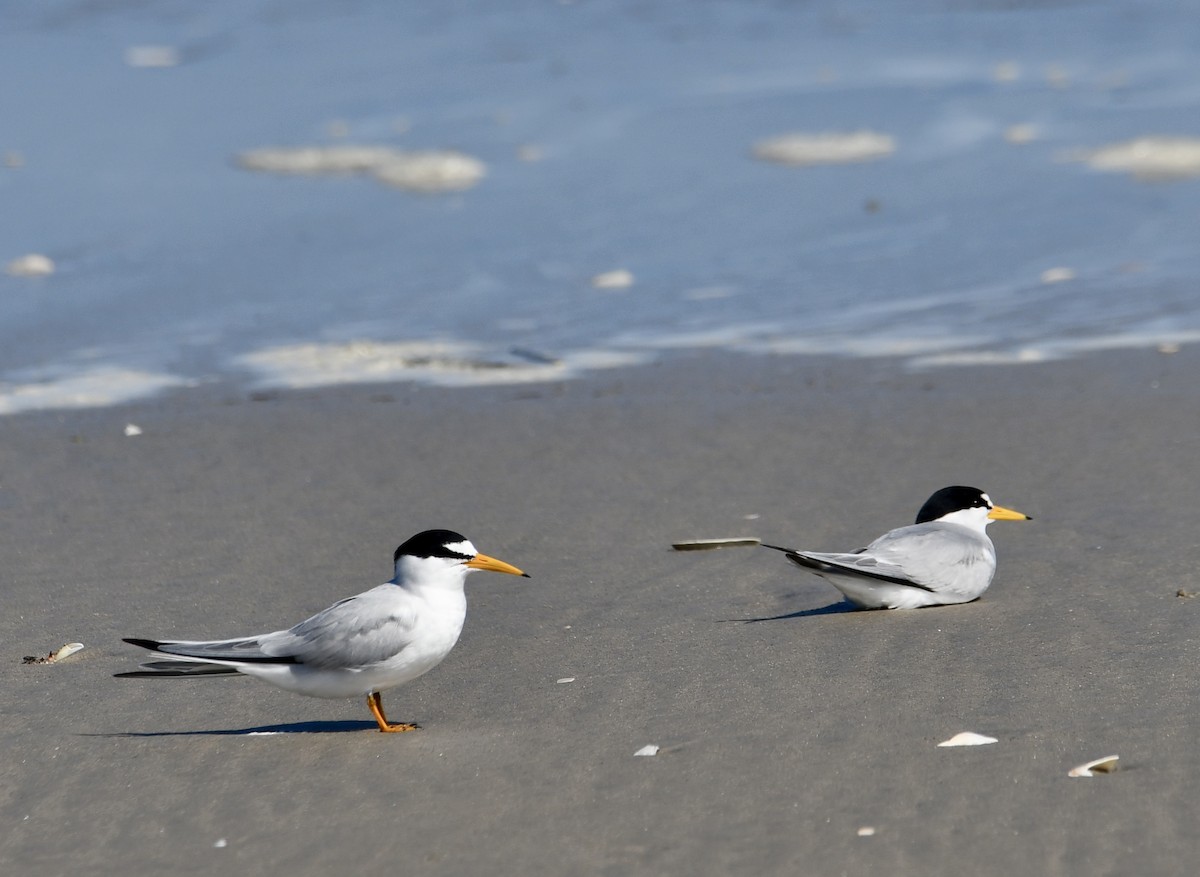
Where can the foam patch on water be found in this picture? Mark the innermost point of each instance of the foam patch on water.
(861, 346)
(917, 351)
(426, 172)
(1146, 158)
(86, 388)
(1057, 350)
(766, 338)
(447, 363)
(830, 147)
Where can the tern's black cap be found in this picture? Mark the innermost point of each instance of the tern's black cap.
(952, 499)
(432, 543)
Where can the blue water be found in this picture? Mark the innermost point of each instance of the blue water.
(641, 118)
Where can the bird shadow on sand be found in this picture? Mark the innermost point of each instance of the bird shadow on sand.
(831, 609)
(264, 730)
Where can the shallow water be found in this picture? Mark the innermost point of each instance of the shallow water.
(615, 135)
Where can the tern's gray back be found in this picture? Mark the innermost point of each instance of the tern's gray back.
(359, 631)
(942, 556)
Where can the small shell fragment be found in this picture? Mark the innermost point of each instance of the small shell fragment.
(866, 831)
(564, 680)
(647, 750)
(707, 544)
(132, 429)
(66, 651)
(968, 738)
(1107, 764)
(55, 656)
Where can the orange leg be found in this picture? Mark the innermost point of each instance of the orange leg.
(375, 704)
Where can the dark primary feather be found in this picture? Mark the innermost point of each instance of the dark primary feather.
(834, 567)
(247, 649)
(176, 669)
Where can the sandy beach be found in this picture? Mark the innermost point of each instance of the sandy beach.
(782, 740)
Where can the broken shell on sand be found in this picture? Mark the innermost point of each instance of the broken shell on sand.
(56, 656)
(1101, 765)
(968, 738)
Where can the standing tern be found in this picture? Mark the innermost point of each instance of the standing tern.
(945, 557)
(358, 647)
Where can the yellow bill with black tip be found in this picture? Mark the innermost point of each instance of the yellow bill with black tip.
(1000, 513)
(482, 561)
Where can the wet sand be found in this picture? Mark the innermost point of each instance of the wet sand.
(780, 739)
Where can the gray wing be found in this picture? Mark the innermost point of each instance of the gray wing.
(363, 630)
(934, 556)
(355, 632)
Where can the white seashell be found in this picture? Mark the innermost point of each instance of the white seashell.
(565, 680)
(650, 749)
(866, 831)
(1107, 764)
(968, 738)
(221, 843)
(132, 429)
(65, 652)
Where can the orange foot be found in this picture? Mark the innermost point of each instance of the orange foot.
(375, 704)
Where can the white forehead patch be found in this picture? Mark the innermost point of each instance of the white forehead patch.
(464, 547)
(988, 500)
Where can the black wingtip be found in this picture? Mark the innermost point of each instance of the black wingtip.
(151, 644)
(176, 674)
(778, 548)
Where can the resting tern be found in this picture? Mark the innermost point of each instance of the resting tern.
(360, 646)
(945, 557)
